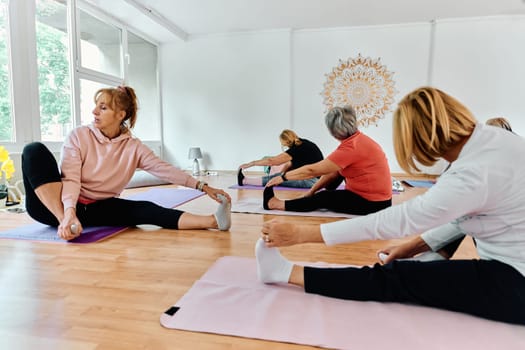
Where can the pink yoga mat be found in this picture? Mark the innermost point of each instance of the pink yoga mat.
(166, 197)
(228, 299)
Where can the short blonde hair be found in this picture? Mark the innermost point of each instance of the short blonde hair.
(499, 122)
(427, 123)
(289, 138)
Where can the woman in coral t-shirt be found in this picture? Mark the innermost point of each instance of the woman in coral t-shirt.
(358, 160)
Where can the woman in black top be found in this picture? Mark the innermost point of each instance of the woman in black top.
(298, 152)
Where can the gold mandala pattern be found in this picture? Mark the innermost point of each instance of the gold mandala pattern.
(363, 83)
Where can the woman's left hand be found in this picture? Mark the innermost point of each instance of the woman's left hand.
(274, 181)
(213, 192)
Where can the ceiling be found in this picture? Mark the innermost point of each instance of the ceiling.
(169, 20)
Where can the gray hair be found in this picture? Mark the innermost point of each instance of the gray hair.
(341, 122)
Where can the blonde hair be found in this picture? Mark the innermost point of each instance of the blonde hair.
(499, 122)
(427, 123)
(122, 98)
(289, 138)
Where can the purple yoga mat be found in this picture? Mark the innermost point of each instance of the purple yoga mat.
(166, 197)
(41, 232)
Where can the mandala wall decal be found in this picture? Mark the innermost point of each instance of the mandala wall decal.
(363, 83)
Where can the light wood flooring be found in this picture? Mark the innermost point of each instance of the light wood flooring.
(110, 294)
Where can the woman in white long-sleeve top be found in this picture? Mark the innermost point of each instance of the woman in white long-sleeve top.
(481, 195)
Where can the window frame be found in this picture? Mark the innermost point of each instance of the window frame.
(24, 74)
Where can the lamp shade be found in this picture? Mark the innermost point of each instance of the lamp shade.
(195, 153)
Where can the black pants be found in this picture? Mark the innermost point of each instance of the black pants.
(485, 288)
(451, 248)
(39, 167)
(340, 201)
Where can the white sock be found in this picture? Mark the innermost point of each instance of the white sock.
(223, 214)
(272, 267)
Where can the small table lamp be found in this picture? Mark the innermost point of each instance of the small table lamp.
(195, 154)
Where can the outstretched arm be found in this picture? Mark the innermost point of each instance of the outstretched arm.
(454, 196)
(323, 167)
(269, 161)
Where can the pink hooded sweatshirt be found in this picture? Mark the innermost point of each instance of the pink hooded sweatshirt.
(95, 167)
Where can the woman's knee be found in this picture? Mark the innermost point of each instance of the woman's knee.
(39, 165)
(36, 153)
(34, 149)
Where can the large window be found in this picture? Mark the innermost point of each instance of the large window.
(101, 45)
(111, 55)
(6, 121)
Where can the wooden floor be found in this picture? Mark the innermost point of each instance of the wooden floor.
(110, 294)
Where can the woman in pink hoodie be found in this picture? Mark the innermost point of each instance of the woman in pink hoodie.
(97, 162)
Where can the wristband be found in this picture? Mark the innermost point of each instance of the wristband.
(283, 176)
(200, 185)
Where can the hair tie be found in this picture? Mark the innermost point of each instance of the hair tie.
(122, 88)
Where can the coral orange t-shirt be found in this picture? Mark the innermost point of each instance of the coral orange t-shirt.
(364, 166)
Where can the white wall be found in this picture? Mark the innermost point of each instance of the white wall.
(403, 49)
(228, 95)
(143, 78)
(232, 94)
(481, 62)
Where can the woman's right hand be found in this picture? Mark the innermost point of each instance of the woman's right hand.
(64, 229)
(275, 181)
(404, 250)
(309, 194)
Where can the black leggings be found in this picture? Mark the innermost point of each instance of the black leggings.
(485, 288)
(340, 201)
(40, 167)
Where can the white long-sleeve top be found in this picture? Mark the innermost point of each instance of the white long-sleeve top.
(482, 194)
